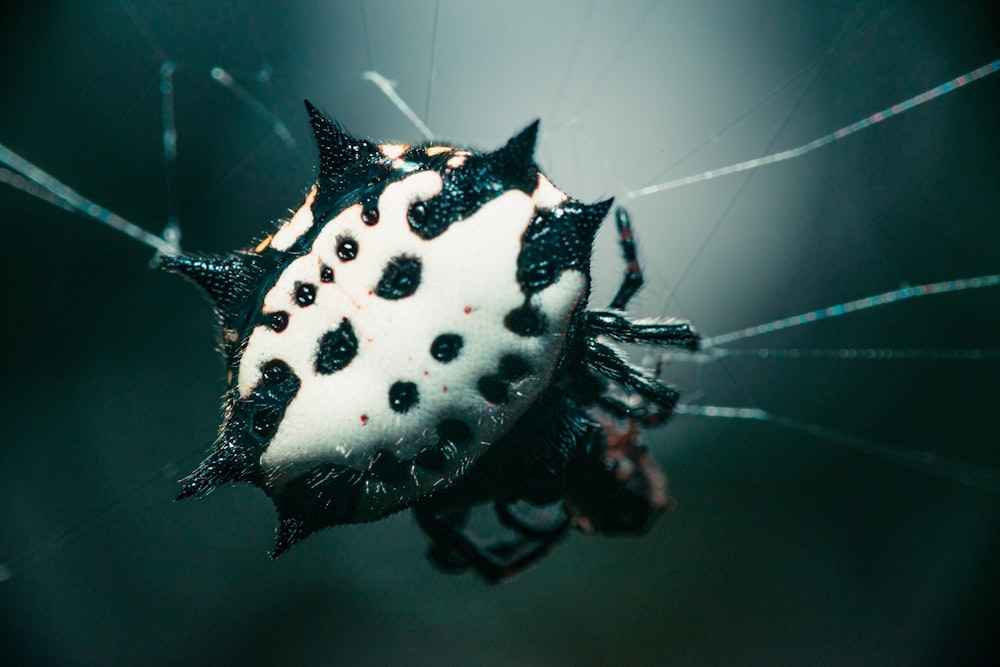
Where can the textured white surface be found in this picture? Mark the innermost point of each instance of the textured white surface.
(467, 287)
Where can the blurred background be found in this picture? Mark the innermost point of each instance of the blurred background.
(787, 546)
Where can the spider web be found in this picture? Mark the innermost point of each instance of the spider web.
(798, 530)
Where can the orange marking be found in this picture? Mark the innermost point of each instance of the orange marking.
(263, 244)
(437, 150)
(393, 151)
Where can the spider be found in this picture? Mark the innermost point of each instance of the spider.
(416, 335)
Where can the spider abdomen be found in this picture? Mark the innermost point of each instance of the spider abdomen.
(395, 328)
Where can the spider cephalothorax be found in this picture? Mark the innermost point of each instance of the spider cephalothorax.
(417, 335)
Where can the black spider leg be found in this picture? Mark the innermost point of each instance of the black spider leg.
(606, 361)
(665, 333)
(633, 280)
(495, 560)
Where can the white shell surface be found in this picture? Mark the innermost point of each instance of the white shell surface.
(467, 287)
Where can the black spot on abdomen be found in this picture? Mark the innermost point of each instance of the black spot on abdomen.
(525, 321)
(388, 468)
(435, 457)
(454, 430)
(265, 422)
(492, 388)
(277, 321)
(305, 294)
(336, 348)
(369, 212)
(403, 396)
(446, 347)
(400, 278)
(266, 405)
(416, 215)
(452, 434)
(347, 248)
(513, 368)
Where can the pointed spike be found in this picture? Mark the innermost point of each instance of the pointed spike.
(524, 141)
(224, 279)
(228, 463)
(337, 148)
(323, 496)
(290, 529)
(588, 217)
(595, 213)
(515, 160)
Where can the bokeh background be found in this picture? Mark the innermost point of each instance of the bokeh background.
(786, 547)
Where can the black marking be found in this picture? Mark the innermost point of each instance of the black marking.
(416, 215)
(336, 348)
(305, 294)
(400, 278)
(538, 275)
(513, 368)
(446, 347)
(557, 240)
(325, 274)
(267, 402)
(454, 431)
(435, 457)
(525, 321)
(403, 396)
(265, 422)
(493, 389)
(275, 372)
(278, 321)
(480, 179)
(369, 212)
(347, 248)
(388, 468)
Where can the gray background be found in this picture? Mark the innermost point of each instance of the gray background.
(785, 547)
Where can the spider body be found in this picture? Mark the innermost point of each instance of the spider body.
(416, 335)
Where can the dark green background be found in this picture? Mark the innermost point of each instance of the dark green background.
(786, 548)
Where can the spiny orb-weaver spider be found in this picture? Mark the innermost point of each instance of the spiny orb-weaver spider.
(417, 335)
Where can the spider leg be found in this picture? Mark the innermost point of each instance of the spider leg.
(664, 333)
(453, 546)
(633, 274)
(606, 361)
